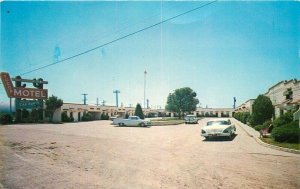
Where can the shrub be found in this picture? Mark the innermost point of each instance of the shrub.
(87, 117)
(259, 127)
(263, 126)
(65, 118)
(5, 118)
(150, 115)
(245, 117)
(104, 117)
(242, 116)
(283, 119)
(286, 134)
(293, 124)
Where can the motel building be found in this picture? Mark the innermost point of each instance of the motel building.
(77, 111)
(285, 96)
(213, 112)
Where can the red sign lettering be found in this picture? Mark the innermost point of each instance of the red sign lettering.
(19, 92)
(9, 88)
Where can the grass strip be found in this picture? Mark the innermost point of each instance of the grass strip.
(295, 146)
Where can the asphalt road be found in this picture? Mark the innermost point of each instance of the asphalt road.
(99, 155)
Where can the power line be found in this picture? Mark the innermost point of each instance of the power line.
(120, 38)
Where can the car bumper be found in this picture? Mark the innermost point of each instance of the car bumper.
(215, 134)
(191, 121)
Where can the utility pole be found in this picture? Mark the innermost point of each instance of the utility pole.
(145, 73)
(103, 103)
(97, 101)
(84, 98)
(234, 101)
(147, 103)
(117, 92)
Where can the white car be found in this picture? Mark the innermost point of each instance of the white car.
(218, 128)
(132, 121)
(191, 119)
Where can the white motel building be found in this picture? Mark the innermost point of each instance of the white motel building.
(77, 110)
(285, 96)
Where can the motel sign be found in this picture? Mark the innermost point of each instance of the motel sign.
(20, 92)
(30, 93)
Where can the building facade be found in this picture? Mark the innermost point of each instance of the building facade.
(213, 112)
(77, 111)
(285, 96)
(245, 107)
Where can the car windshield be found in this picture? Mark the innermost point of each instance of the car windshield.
(190, 116)
(218, 123)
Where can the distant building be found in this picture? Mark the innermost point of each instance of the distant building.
(213, 112)
(245, 107)
(77, 110)
(285, 96)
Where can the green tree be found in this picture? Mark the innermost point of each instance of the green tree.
(182, 101)
(262, 110)
(139, 112)
(52, 103)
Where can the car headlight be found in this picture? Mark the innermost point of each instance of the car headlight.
(202, 131)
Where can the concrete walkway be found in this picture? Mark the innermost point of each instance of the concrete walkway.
(249, 130)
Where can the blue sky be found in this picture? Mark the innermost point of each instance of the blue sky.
(224, 50)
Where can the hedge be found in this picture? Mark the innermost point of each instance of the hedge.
(283, 119)
(287, 133)
(242, 116)
(263, 126)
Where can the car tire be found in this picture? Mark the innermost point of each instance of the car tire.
(206, 138)
(143, 125)
(230, 137)
(120, 124)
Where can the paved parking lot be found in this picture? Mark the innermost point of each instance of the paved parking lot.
(100, 155)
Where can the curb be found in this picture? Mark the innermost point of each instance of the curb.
(259, 141)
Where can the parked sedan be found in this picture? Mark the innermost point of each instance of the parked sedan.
(191, 119)
(132, 121)
(218, 128)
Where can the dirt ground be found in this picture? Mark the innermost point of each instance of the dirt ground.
(100, 155)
